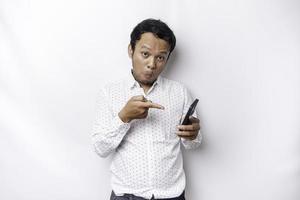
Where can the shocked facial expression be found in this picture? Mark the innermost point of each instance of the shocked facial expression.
(149, 58)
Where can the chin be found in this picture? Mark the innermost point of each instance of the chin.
(147, 82)
(144, 80)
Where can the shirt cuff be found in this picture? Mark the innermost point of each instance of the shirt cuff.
(192, 144)
(119, 124)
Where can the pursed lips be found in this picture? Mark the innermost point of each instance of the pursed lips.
(148, 74)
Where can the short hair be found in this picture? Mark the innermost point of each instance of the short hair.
(157, 27)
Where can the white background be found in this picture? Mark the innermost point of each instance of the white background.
(240, 58)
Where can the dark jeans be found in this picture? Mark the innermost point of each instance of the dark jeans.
(133, 197)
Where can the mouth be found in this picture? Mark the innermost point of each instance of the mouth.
(148, 75)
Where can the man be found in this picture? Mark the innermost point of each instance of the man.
(138, 121)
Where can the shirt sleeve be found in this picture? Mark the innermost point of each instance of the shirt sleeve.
(108, 130)
(190, 144)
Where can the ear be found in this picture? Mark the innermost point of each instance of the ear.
(130, 51)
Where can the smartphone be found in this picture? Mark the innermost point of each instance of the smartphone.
(191, 110)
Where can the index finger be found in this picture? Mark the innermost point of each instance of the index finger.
(149, 104)
(194, 119)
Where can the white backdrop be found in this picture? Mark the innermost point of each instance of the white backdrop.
(240, 58)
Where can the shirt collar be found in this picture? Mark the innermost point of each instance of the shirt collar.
(133, 83)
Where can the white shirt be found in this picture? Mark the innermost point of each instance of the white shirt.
(147, 158)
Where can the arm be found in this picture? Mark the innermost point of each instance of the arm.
(108, 130)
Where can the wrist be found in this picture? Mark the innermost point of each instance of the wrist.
(123, 117)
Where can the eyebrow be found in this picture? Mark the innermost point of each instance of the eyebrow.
(145, 46)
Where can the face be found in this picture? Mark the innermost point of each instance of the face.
(149, 58)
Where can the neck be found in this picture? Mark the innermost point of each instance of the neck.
(145, 87)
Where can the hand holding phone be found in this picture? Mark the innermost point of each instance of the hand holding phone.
(190, 112)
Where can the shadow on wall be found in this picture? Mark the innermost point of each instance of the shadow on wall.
(171, 65)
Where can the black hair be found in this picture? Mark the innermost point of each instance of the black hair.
(157, 27)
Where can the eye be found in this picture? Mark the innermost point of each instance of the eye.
(145, 54)
(160, 58)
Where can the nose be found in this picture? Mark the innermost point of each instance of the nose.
(151, 64)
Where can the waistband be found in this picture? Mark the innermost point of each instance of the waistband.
(133, 197)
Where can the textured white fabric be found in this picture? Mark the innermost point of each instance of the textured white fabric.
(147, 158)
